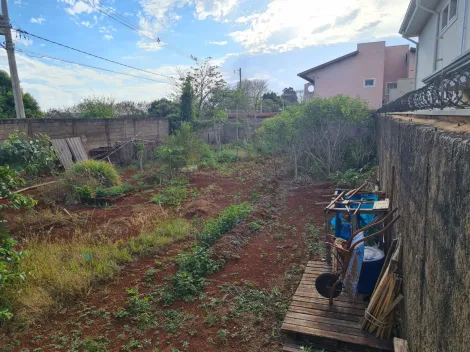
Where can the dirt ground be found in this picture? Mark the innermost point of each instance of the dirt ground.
(263, 255)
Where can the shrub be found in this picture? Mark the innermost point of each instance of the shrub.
(31, 155)
(227, 219)
(112, 192)
(102, 172)
(171, 195)
(227, 156)
(352, 177)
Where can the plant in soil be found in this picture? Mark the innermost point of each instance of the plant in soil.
(171, 195)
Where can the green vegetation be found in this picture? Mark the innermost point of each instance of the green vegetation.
(7, 102)
(114, 191)
(194, 266)
(171, 195)
(33, 156)
(61, 271)
(228, 218)
(317, 138)
(353, 177)
(102, 172)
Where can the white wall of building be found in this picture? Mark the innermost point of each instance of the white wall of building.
(448, 48)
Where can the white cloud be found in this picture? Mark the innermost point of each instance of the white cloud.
(76, 8)
(149, 45)
(55, 84)
(107, 37)
(224, 42)
(290, 24)
(87, 24)
(217, 9)
(38, 20)
(107, 29)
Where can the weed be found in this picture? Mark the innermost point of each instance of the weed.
(211, 319)
(211, 341)
(133, 344)
(174, 320)
(312, 240)
(138, 308)
(279, 236)
(171, 195)
(222, 335)
(255, 226)
(227, 219)
(255, 196)
(149, 274)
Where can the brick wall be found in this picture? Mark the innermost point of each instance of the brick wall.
(94, 133)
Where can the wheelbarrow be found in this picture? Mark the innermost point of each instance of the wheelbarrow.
(349, 256)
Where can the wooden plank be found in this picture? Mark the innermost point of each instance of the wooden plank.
(323, 313)
(328, 308)
(325, 326)
(322, 319)
(400, 345)
(317, 263)
(315, 296)
(359, 340)
(63, 152)
(343, 297)
(76, 147)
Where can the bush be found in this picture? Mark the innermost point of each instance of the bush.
(171, 195)
(112, 192)
(353, 177)
(227, 156)
(227, 219)
(100, 171)
(31, 155)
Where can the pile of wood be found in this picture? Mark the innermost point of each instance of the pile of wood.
(380, 313)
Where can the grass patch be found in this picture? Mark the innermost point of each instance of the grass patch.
(171, 195)
(59, 272)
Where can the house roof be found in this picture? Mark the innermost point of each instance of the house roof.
(416, 17)
(305, 73)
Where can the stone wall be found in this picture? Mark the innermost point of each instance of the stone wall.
(432, 190)
(94, 133)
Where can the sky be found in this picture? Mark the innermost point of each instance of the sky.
(267, 39)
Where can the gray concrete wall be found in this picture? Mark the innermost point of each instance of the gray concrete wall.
(93, 132)
(433, 194)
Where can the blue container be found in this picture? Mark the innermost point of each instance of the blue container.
(372, 264)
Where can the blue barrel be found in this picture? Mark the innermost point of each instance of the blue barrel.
(372, 264)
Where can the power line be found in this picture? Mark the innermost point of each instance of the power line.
(41, 56)
(89, 54)
(115, 16)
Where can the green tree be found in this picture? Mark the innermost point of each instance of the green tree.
(7, 101)
(205, 80)
(289, 96)
(186, 102)
(270, 105)
(96, 107)
(163, 108)
(274, 97)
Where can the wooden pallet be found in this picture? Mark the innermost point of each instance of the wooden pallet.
(311, 316)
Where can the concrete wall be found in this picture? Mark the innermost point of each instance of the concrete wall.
(433, 194)
(94, 133)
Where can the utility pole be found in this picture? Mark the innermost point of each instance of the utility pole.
(10, 48)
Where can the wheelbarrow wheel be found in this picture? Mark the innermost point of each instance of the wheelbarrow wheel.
(325, 282)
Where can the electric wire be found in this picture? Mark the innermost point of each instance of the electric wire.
(89, 54)
(41, 56)
(115, 16)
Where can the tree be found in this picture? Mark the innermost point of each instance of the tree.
(7, 101)
(186, 102)
(130, 109)
(274, 97)
(96, 107)
(219, 118)
(254, 89)
(205, 79)
(289, 96)
(270, 105)
(163, 108)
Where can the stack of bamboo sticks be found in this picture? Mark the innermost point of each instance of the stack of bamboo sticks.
(380, 312)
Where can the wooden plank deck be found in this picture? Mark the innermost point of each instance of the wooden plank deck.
(311, 316)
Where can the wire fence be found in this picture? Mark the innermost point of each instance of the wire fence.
(450, 89)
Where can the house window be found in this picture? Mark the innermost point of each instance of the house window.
(448, 14)
(369, 82)
(390, 86)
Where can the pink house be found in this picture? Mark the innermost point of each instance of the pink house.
(374, 72)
